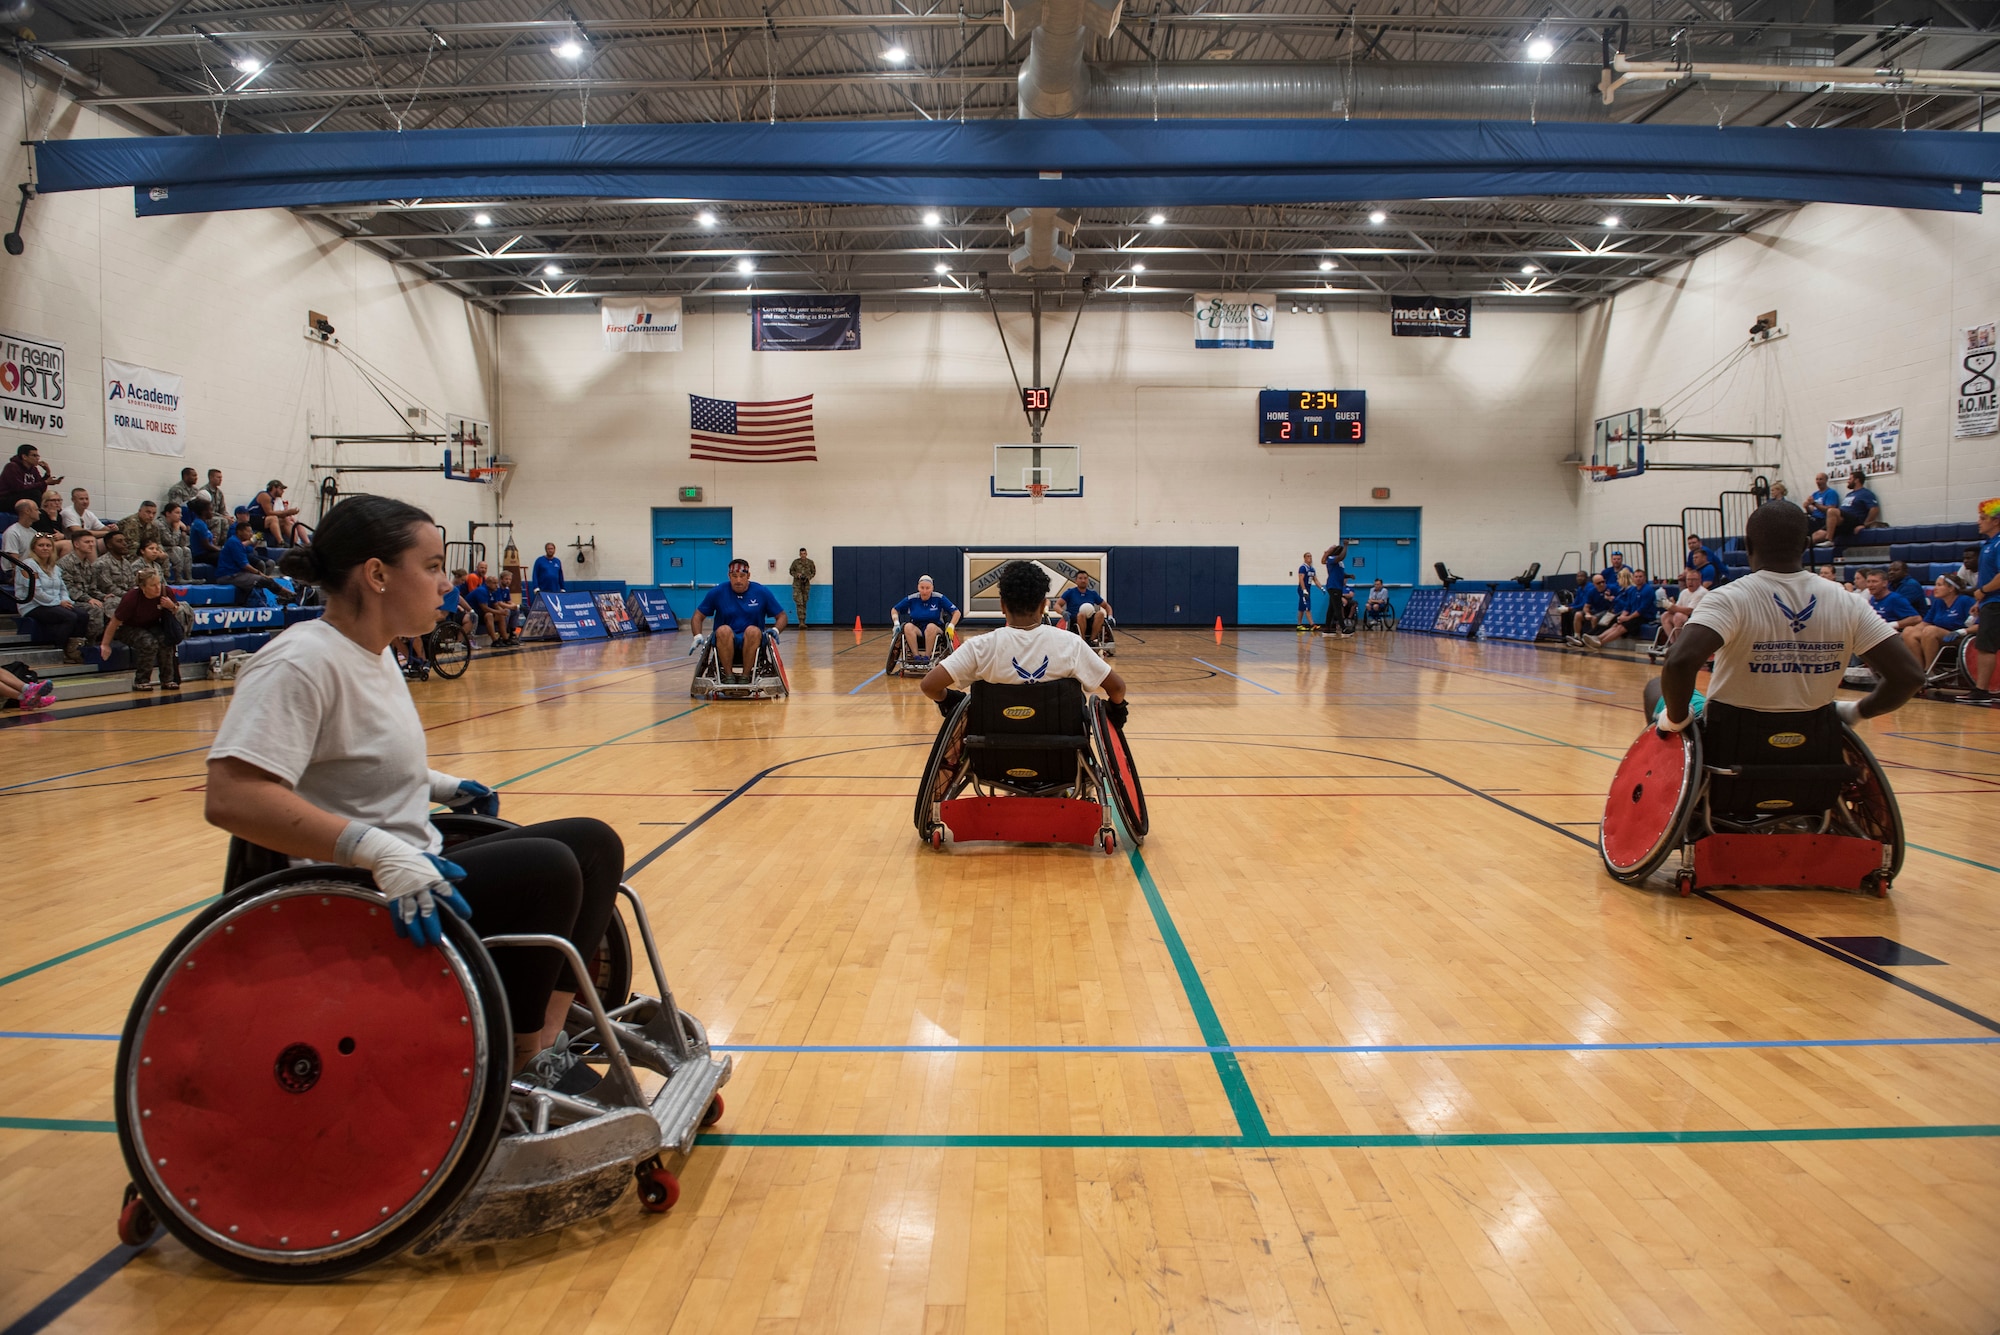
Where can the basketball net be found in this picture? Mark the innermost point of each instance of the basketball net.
(1037, 490)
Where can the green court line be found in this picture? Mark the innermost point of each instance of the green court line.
(598, 746)
(68, 955)
(1249, 1117)
(1525, 733)
(1450, 1140)
(53, 1124)
(1940, 853)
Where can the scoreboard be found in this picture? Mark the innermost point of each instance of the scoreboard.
(1312, 417)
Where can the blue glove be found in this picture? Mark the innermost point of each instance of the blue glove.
(414, 883)
(415, 916)
(475, 797)
(773, 634)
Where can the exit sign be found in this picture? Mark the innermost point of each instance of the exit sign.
(1380, 494)
(690, 493)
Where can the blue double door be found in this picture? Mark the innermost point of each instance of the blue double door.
(1385, 544)
(692, 547)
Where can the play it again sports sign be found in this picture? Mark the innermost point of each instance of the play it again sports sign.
(33, 385)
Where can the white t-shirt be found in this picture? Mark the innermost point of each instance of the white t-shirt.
(1690, 597)
(1786, 639)
(1011, 657)
(88, 520)
(336, 722)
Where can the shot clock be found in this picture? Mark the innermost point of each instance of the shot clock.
(1312, 417)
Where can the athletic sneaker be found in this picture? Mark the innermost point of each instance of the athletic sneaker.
(1592, 642)
(1573, 641)
(556, 1067)
(1975, 696)
(43, 693)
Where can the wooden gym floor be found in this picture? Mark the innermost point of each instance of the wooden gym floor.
(1363, 1038)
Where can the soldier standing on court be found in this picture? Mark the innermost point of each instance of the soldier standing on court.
(803, 571)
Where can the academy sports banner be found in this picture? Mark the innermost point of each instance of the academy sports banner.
(805, 324)
(144, 409)
(1976, 406)
(1867, 443)
(1235, 320)
(1430, 317)
(649, 324)
(33, 385)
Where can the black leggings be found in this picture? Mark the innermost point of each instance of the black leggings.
(65, 623)
(558, 878)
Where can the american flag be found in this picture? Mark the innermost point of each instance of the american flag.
(777, 432)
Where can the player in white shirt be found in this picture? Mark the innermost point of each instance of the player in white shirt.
(1025, 650)
(1781, 636)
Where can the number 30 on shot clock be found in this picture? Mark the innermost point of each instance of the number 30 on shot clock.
(1312, 417)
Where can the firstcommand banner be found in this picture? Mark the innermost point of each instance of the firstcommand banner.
(144, 409)
(647, 324)
(33, 385)
(805, 324)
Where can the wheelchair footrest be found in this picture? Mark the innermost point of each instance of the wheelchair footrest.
(679, 1106)
(1837, 861)
(1023, 820)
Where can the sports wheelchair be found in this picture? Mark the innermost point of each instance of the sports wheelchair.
(300, 1096)
(1101, 639)
(1038, 759)
(1751, 798)
(767, 680)
(903, 663)
(1378, 618)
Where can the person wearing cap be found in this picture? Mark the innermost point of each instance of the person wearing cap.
(1983, 654)
(738, 606)
(923, 616)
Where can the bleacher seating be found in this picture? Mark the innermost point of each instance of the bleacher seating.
(1515, 614)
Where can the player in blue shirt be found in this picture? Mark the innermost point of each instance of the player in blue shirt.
(1306, 579)
(1891, 606)
(1086, 609)
(1983, 654)
(924, 618)
(1861, 507)
(1944, 615)
(739, 608)
(547, 576)
(1339, 602)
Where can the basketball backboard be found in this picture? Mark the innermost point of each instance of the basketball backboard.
(1618, 443)
(1059, 467)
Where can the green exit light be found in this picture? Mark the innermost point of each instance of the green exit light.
(690, 493)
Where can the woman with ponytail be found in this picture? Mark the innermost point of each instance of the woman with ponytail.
(322, 758)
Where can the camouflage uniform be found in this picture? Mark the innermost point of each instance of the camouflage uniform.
(138, 532)
(180, 494)
(113, 575)
(80, 577)
(802, 572)
(180, 555)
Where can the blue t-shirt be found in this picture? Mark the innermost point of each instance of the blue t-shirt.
(934, 608)
(548, 575)
(1913, 594)
(1306, 580)
(1336, 577)
(1704, 566)
(1989, 568)
(1859, 502)
(234, 560)
(450, 605)
(1073, 600)
(1952, 617)
(739, 611)
(1892, 607)
(1611, 575)
(478, 594)
(1828, 497)
(1600, 599)
(201, 540)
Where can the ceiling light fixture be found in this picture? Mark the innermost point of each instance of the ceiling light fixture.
(746, 265)
(552, 270)
(1324, 265)
(1611, 220)
(931, 218)
(895, 55)
(569, 50)
(1378, 217)
(1540, 48)
(1158, 220)
(248, 64)
(942, 269)
(1529, 268)
(705, 218)
(482, 220)
(1138, 268)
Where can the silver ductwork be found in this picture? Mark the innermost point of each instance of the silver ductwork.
(1052, 76)
(1045, 237)
(1370, 90)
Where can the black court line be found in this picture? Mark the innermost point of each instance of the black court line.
(39, 1316)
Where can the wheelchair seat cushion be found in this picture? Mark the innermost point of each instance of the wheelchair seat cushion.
(1026, 736)
(1792, 763)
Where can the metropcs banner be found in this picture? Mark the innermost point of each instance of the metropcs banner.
(144, 409)
(1235, 320)
(33, 385)
(652, 324)
(1976, 406)
(1867, 443)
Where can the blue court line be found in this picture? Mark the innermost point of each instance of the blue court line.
(39, 1316)
(99, 769)
(871, 681)
(1227, 673)
(1940, 853)
(1311, 1050)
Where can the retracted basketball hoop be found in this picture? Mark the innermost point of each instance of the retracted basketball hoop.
(1037, 490)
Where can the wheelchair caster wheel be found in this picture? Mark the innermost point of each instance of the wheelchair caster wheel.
(136, 1224)
(1684, 882)
(1878, 882)
(714, 1113)
(658, 1189)
(1109, 840)
(937, 837)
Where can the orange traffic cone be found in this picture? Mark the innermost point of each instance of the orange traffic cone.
(857, 630)
(1218, 630)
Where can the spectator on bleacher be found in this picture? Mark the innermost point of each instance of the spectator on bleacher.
(505, 609)
(1612, 576)
(78, 517)
(548, 571)
(1950, 607)
(1586, 610)
(147, 621)
(44, 599)
(143, 526)
(213, 490)
(235, 566)
(1857, 511)
(115, 571)
(49, 521)
(21, 534)
(275, 515)
(1903, 582)
(1822, 499)
(153, 556)
(1833, 573)
(25, 477)
(1629, 610)
(182, 491)
(180, 551)
(18, 694)
(1689, 597)
(1779, 492)
(202, 545)
(80, 578)
(1702, 561)
(1982, 655)
(1967, 573)
(1891, 606)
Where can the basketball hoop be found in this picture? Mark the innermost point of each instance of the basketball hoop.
(1598, 472)
(1037, 490)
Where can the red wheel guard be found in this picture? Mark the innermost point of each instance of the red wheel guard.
(1837, 861)
(1023, 820)
(1644, 799)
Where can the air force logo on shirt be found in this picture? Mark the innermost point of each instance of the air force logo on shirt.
(1798, 616)
(1026, 675)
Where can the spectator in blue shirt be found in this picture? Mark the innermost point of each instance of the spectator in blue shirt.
(1629, 610)
(924, 618)
(1591, 601)
(1861, 508)
(1822, 499)
(739, 608)
(1944, 616)
(1702, 561)
(1983, 655)
(1903, 582)
(1339, 602)
(547, 576)
(234, 565)
(1891, 606)
(201, 538)
(1613, 572)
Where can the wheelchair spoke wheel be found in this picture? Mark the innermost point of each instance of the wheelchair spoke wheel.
(939, 769)
(610, 974)
(1120, 773)
(451, 652)
(300, 1093)
(1646, 811)
(1868, 801)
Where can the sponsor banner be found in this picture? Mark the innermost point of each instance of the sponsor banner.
(650, 611)
(650, 324)
(1868, 443)
(144, 409)
(1430, 317)
(805, 324)
(982, 578)
(213, 620)
(611, 611)
(573, 616)
(1976, 407)
(1461, 614)
(33, 385)
(1235, 320)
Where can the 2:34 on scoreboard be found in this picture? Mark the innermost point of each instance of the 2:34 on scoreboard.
(1312, 417)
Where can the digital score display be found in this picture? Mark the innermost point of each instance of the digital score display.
(1312, 417)
(1035, 398)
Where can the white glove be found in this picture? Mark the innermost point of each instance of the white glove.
(1665, 724)
(414, 882)
(1848, 712)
